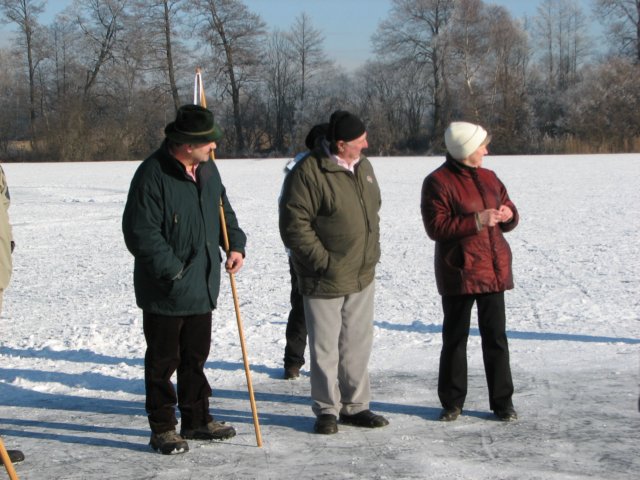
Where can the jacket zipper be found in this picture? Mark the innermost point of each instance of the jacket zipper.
(358, 189)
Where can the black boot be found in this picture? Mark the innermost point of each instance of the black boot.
(16, 456)
(326, 424)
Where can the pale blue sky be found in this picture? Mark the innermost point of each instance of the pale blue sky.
(347, 25)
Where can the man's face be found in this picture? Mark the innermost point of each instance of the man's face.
(351, 149)
(201, 152)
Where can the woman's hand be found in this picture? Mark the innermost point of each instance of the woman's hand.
(506, 213)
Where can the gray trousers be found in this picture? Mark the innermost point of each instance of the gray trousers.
(340, 337)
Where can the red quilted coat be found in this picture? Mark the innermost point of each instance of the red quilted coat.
(467, 261)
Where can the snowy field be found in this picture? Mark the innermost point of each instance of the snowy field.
(71, 343)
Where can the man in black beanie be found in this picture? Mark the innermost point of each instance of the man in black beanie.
(329, 221)
(346, 127)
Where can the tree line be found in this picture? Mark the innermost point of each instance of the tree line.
(103, 79)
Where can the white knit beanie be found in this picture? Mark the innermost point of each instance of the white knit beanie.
(463, 138)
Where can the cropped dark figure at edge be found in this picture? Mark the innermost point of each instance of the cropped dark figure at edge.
(6, 266)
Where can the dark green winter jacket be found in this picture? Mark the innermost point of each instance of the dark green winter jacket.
(329, 221)
(171, 225)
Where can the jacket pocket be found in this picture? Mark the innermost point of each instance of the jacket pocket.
(455, 258)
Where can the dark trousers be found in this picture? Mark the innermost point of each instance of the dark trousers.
(176, 344)
(296, 332)
(452, 380)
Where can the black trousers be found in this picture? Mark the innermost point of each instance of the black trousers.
(296, 333)
(176, 344)
(452, 380)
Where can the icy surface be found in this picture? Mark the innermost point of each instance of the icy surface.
(71, 345)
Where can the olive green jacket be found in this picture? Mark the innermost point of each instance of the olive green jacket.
(329, 221)
(6, 236)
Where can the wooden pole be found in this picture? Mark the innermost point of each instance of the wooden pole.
(200, 99)
(6, 461)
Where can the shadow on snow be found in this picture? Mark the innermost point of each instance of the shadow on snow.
(420, 327)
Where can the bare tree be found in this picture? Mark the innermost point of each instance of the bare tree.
(623, 18)
(396, 106)
(281, 81)
(309, 60)
(308, 50)
(24, 13)
(160, 21)
(62, 35)
(562, 28)
(235, 37)
(603, 110)
(414, 32)
(507, 103)
(13, 96)
(468, 39)
(100, 22)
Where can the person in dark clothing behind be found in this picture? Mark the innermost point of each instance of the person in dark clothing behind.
(296, 332)
(466, 209)
(171, 225)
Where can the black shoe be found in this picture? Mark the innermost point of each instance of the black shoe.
(291, 372)
(507, 415)
(168, 443)
(365, 418)
(326, 424)
(211, 431)
(450, 414)
(16, 456)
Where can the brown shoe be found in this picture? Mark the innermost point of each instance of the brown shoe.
(168, 443)
(291, 372)
(450, 414)
(213, 430)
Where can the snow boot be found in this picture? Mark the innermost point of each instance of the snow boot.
(507, 415)
(211, 431)
(450, 414)
(168, 443)
(16, 456)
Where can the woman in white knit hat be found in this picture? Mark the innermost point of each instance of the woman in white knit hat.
(466, 209)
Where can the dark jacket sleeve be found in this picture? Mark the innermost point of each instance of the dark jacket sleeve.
(299, 206)
(439, 216)
(505, 200)
(142, 229)
(237, 238)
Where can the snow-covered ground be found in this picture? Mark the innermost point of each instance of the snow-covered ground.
(71, 344)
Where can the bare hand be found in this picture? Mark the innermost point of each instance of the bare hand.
(506, 213)
(489, 217)
(234, 262)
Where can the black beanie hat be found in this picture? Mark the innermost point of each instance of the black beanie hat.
(344, 126)
(316, 132)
